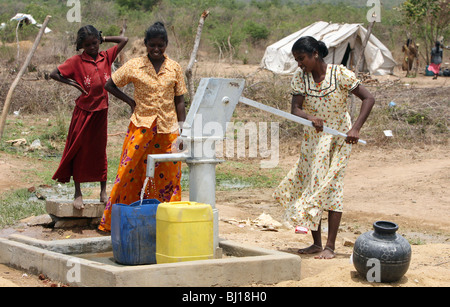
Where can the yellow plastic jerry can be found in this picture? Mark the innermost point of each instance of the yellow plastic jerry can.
(184, 232)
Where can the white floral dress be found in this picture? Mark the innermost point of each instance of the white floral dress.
(316, 181)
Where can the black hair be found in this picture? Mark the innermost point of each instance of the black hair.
(85, 32)
(157, 30)
(308, 44)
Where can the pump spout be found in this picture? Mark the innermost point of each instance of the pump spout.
(153, 159)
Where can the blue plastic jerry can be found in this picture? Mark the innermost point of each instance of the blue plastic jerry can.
(133, 232)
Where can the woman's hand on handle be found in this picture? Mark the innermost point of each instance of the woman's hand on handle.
(352, 136)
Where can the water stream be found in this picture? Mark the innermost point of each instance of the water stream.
(143, 190)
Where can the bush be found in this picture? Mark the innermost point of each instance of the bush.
(146, 5)
(219, 31)
(256, 31)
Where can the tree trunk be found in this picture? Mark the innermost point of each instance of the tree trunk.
(19, 76)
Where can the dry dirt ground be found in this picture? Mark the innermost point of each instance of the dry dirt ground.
(405, 186)
(408, 187)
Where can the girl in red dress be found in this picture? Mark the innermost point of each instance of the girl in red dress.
(84, 156)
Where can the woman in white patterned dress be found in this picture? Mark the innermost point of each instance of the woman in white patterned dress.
(315, 183)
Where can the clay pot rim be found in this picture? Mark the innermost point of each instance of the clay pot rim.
(385, 227)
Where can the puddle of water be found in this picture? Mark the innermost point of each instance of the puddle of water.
(233, 185)
(62, 191)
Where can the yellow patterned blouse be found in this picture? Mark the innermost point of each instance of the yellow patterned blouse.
(154, 93)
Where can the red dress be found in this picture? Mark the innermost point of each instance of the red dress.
(84, 156)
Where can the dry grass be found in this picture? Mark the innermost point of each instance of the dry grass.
(420, 116)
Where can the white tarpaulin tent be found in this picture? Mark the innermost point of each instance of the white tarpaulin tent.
(28, 19)
(344, 42)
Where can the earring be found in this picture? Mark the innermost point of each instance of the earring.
(317, 56)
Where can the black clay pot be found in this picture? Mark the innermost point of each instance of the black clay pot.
(384, 248)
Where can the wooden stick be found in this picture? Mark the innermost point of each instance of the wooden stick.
(194, 55)
(19, 76)
(366, 40)
(18, 43)
(230, 47)
(124, 28)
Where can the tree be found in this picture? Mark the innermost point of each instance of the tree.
(428, 19)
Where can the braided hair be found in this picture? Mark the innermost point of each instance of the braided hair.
(85, 32)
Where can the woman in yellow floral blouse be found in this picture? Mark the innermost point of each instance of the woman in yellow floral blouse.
(158, 108)
(315, 183)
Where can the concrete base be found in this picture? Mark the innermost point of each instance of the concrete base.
(58, 260)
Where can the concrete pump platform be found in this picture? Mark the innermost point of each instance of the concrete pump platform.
(89, 263)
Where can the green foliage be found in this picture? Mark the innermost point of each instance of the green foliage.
(38, 11)
(256, 31)
(427, 20)
(112, 30)
(17, 205)
(225, 38)
(234, 28)
(145, 5)
(419, 10)
(200, 4)
(266, 4)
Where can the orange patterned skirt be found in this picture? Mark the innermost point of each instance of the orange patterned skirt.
(166, 186)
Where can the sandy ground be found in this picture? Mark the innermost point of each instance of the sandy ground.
(408, 187)
(405, 187)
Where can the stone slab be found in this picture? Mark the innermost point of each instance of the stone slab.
(41, 220)
(65, 208)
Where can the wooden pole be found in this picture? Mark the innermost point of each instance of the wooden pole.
(194, 55)
(19, 76)
(366, 40)
(361, 57)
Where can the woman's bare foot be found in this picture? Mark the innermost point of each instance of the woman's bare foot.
(78, 202)
(103, 195)
(327, 253)
(313, 249)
